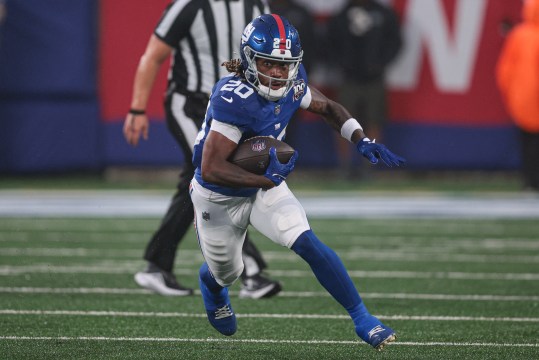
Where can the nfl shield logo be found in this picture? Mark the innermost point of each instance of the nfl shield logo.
(258, 145)
(277, 109)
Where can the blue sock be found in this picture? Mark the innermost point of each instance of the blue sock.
(207, 279)
(331, 273)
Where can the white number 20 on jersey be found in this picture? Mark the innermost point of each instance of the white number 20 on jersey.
(238, 87)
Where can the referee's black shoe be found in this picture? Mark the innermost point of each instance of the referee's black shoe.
(258, 286)
(161, 282)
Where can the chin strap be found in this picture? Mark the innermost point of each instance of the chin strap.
(270, 94)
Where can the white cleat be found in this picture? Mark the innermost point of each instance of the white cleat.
(162, 283)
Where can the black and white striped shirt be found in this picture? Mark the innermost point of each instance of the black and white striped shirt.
(204, 34)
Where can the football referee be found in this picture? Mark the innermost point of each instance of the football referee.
(198, 36)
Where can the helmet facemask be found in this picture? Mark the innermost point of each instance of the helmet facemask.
(253, 75)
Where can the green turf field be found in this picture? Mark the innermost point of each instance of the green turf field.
(452, 289)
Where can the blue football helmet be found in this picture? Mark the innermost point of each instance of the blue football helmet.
(271, 37)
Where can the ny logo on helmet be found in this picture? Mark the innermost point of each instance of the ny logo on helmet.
(247, 33)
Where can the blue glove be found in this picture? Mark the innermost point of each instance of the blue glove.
(276, 171)
(373, 152)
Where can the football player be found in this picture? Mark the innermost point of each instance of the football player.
(267, 86)
(194, 35)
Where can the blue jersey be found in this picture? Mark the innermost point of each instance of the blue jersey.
(237, 103)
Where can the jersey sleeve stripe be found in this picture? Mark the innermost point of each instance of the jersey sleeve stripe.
(233, 133)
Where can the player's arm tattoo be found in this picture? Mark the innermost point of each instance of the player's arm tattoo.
(334, 113)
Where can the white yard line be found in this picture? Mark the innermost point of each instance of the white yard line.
(261, 341)
(259, 316)
(417, 242)
(405, 254)
(300, 294)
(453, 275)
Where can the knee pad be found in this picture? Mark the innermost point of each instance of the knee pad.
(227, 278)
(219, 279)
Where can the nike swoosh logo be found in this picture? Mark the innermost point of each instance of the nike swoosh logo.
(228, 100)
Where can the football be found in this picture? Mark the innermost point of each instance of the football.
(253, 154)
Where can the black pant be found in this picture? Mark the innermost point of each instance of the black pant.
(161, 250)
(530, 159)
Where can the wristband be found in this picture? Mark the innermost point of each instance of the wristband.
(137, 111)
(349, 127)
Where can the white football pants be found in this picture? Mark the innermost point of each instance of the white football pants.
(221, 223)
